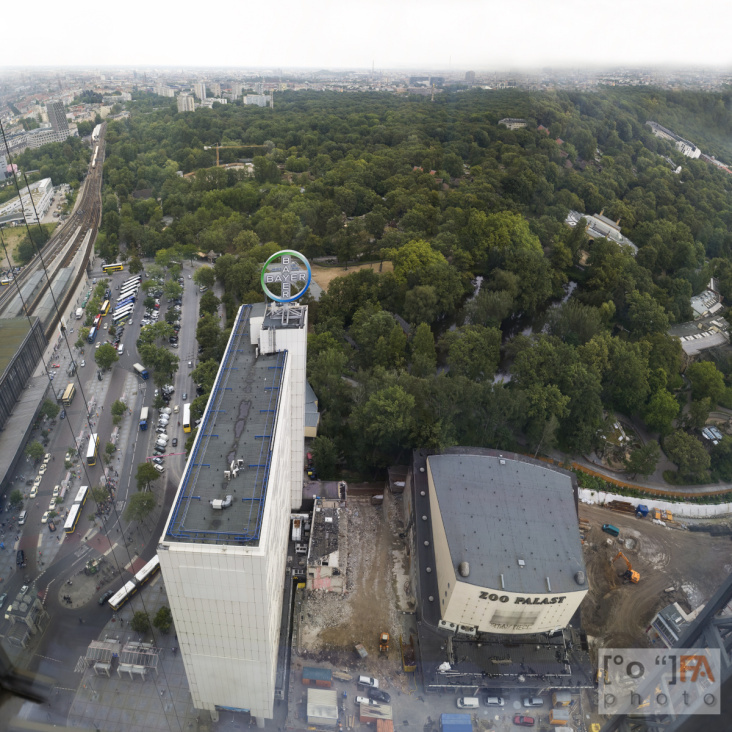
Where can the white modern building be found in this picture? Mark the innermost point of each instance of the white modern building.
(258, 100)
(199, 90)
(31, 206)
(223, 553)
(601, 227)
(688, 148)
(186, 103)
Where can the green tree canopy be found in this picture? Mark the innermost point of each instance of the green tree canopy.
(688, 453)
(106, 356)
(145, 475)
(34, 450)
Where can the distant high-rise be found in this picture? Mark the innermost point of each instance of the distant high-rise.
(215, 89)
(235, 90)
(200, 90)
(186, 103)
(57, 116)
(470, 76)
(3, 167)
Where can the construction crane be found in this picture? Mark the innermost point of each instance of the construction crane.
(630, 573)
(224, 147)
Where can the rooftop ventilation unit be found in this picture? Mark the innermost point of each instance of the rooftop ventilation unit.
(219, 505)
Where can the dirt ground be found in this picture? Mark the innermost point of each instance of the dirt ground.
(616, 613)
(325, 275)
(377, 592)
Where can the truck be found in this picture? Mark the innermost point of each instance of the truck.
(296, 529)
(140, 370)
(143, 418)
(79, 313)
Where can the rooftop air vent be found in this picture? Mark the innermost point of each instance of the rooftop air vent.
(464, 569)
(219, 505)
(521, 563)
(579, 578)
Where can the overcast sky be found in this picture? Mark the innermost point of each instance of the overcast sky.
(449, 34)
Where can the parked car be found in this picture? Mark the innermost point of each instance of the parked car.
(34, 492)
(159, 468)
(51, 526)
(379, 695)
(158, 461)
(83, 362)
(44, 518)
(367, 701)
(175, 442)
(20, 557)
(367, 682)
(56, 491)
(105, 596)
(523, 721)
(3, 597)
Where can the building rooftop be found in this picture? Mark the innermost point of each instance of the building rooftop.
(13, 331)
(237, 427)
(499, 512)
(324, 534)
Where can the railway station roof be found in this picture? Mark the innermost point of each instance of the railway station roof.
(237, 429)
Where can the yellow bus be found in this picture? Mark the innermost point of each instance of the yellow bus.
(186, 418)
(105, 307)
(72, 519)
(68, 395)
(116, 267)
(91, 451)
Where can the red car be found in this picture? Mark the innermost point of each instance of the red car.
(523, 721)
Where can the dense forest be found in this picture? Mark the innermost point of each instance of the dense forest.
(409, 357)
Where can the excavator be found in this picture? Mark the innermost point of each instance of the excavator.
(630, 574)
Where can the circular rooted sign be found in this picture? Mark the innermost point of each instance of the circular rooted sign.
(287, 275)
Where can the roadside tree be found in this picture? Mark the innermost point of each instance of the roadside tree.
(140, 506)
(106, 356)
(34, 450)
(145, 475)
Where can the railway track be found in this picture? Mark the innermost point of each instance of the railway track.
(60, 251)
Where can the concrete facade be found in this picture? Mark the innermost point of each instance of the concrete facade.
(224, 567)
(492, 547)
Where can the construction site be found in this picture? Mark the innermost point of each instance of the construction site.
(653, 563)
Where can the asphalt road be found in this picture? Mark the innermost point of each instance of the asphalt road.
(66, 638)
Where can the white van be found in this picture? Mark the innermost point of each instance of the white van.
(120, 349)
(468, 702)
(23, 516)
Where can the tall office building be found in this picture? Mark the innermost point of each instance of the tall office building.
(3, 167)
(199, 90)
(223, 554)
(215, 88)
(57, 116)
(236, 90)
(186, 103)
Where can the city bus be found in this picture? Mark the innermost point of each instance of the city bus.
(97, 320)
(132, 281)
(91, 451)
(126, 301)
(127, 292)
(92, 335)
(186, 418)
(135, 584)
(119, 599)
(116, 267)
(4, 283)
(82, 495)
(121, 306)
(72, 519)
(105, 308)
(68, 395)
(148, 571)
(122, 313)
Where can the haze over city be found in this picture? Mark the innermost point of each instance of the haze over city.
(403, 34)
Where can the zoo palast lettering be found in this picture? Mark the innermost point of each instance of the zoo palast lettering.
(523, 600)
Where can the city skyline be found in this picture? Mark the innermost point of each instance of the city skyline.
(464, 34)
